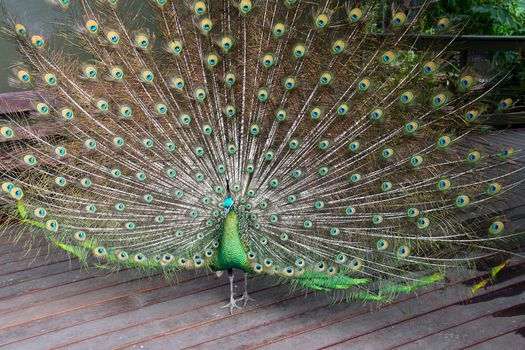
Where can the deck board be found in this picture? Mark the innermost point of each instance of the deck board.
(75, 308)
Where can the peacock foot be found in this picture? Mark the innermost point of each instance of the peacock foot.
(245, 299)
(232, 305)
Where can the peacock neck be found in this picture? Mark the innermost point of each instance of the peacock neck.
(232, 253)
(230, 231)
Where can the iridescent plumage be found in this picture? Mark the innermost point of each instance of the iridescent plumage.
(286, 138)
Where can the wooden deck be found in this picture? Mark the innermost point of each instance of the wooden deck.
(48, 302)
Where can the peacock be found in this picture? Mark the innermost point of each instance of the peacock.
(321, 143)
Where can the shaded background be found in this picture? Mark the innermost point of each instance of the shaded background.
(36, 13)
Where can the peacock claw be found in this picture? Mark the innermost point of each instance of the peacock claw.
(246, 298)
(232, 305)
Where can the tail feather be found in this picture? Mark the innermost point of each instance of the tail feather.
(354, 152)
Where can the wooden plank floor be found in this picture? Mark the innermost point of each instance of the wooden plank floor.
(48, 302)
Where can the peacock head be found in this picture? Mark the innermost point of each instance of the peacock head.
(228, 204)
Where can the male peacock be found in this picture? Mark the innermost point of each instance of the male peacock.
(289, 138)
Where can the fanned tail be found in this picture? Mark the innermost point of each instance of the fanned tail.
(354, 152)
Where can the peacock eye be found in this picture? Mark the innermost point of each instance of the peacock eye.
(7, 132)
(355, 178)
(60, 151)
(52, 225)
(423, 223)
(24, 76)
(471, 115)
(505, 103)
(175, 47)
(388, 153)
(496, 227)
(147, 76)
(377, 219)
(416, 160)
(30, 159)
(42, 108)
(279, 30)
(245, 6)
(92, 26)
(316, 113)
(113, 37)
(439, 100)
(268, 60)
(281, 115)
(429, 68)
(207, 129)
(60, 181)
(297, 173)
(411, 127)
(200, 94)
(355, 15)
(338, 46)
(50, 79)
(322, 20)
(406, 97)
(289, 83)
(16, 193)
(473, 156)
(199, 177)
(443, 23)
(354, 146)
(67, 113)
(299, 50)
(85, 182)
(199, 7)
(388, 57)
(102, 105)
(7, 187)
(412, 212)
(382, 245)
(326, 78)
(20, 29)
(262, 94)
(399, 19)
(403, 252)
(37, 41)
(126, 111)
(294, 144)
(206, 25)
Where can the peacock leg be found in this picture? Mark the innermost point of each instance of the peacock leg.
(232, 304)
(245, 297)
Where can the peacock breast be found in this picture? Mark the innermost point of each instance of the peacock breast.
(232, 252)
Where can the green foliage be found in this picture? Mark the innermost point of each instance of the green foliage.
(484, 17)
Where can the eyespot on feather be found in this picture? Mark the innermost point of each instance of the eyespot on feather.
(23, 76)
(37, 41)
(20, 29)
(92, 26)
(399, 19)
(354, 15)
